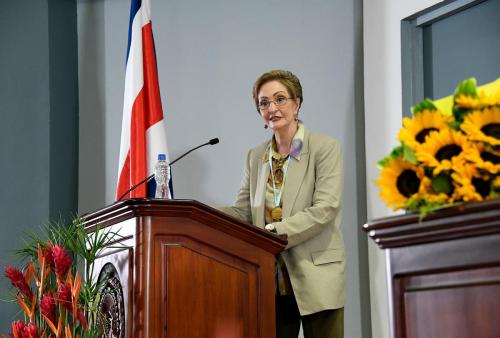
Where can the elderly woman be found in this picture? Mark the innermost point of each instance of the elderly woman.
(292, 185)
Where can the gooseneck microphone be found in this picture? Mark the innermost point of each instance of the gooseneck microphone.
(211, 142)
(150, 177)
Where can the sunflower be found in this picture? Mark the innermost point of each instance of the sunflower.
(495, 186)
(467, 102)
(399, 180)
(416, 129)
(470, 186)
(483, 125)
(428, 194)
(489, 99)
(484, 157)
(443, 150)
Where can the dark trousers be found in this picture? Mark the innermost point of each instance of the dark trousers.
(324, 324)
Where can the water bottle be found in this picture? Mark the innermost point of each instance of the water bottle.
(162, 177)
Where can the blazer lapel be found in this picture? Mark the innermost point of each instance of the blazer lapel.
(260, 194)
(294, 177)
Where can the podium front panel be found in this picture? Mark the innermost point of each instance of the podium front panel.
(188, 270)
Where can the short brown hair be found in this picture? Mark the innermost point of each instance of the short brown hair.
(285, 77)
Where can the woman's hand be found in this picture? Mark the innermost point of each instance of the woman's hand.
(270, 227)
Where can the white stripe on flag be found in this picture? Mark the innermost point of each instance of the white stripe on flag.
(134, 81)
(156, 144)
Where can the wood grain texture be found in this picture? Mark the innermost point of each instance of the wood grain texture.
(211, 293)
(444, 272)
(196, 272)
(465, 220)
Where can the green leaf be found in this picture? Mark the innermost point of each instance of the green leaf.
(409, 155)
(395, 153)
(466, 87)
(427, 208)
(442, 184)
(383, 162)
(422, 206)
(455, 125)
(426, 104)
(413, 203)
(459, 115)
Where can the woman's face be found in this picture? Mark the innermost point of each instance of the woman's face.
(277, 116)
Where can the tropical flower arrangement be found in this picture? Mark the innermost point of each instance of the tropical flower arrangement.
(446, 156)
(55, 300)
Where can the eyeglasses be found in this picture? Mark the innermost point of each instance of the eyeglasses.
(280, 101)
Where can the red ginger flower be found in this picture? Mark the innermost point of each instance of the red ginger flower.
(49, 258)
(21, 330)
(62, 260)
(30, 331)
(64, 294)
(48, 306)
(17, 279)
(17, 328)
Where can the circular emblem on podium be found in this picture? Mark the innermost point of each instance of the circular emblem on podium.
(111, 304)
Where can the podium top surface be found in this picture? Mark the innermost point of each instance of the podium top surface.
(458, 221)
(202, 213)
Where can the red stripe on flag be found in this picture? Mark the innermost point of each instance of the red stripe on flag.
(138, 127)
(146, 111)
(151, 83)
(124, 179)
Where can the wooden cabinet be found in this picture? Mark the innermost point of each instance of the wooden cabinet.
(188, 270)
(443, 272)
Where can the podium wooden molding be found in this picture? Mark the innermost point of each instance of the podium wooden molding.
(187, 270)
(443, 272)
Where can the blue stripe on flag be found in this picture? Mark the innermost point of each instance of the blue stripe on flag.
(134, 8)
(151, 189)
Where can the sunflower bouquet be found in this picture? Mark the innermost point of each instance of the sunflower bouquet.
(447, 154)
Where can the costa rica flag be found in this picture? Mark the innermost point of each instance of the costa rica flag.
(143, 134)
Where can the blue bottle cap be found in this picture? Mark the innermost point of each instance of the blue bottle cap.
(162, 157)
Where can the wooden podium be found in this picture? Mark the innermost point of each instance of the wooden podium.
(443, 272)
(183, 269)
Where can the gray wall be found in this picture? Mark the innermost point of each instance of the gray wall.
(209, 54)
(382, 96)
(39, 128)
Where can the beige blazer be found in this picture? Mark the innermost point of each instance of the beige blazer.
(312, 215)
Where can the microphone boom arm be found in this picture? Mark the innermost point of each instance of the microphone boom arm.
(150, 177)
(190, 151)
